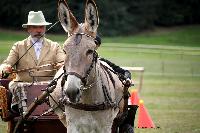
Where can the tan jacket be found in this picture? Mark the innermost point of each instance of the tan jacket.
(51, 52)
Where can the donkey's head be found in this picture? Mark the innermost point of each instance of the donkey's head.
(79, 47)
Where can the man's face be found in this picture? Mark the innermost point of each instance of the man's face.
(36, 31)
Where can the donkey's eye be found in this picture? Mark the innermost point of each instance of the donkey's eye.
(90, 51)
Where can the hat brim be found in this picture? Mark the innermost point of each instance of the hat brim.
(36, 24)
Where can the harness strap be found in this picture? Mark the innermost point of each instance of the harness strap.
(76, 74)
(90, 107)
(82, 33)
(118, 74)
(105, 91)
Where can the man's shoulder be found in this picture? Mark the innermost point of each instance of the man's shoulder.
(50, 41)
(21, 42)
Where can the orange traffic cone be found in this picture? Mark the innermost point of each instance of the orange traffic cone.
(134, 97)
(144, 119)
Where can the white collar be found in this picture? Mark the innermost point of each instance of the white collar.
(37, 41)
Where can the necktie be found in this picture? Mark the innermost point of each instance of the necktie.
(38, 52)
(37, 46)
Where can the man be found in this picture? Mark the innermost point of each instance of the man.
(32, 52)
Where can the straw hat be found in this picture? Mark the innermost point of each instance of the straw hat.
(36, 18)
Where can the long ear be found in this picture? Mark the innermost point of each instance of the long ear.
(91, 16)
(66, 18)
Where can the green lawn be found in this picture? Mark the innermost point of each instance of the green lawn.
(171, 58)
(181, 36)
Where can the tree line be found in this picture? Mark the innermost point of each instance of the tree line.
(117, 17)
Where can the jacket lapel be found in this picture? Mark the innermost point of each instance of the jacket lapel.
(31, 51)
(44, 51)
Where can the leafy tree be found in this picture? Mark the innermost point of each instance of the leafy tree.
(117, 17)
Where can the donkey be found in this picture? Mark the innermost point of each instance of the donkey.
(92, 94)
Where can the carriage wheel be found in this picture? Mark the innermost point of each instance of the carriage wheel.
(127, 128)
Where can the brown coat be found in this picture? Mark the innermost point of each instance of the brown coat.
(51, 52)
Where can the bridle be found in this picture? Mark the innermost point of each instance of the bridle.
(78, 37)
(85, 78)
(108, 103)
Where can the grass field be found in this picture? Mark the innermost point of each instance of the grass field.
(171, 58)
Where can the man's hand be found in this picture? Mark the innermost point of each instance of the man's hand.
(5, 71)
(127, 82)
